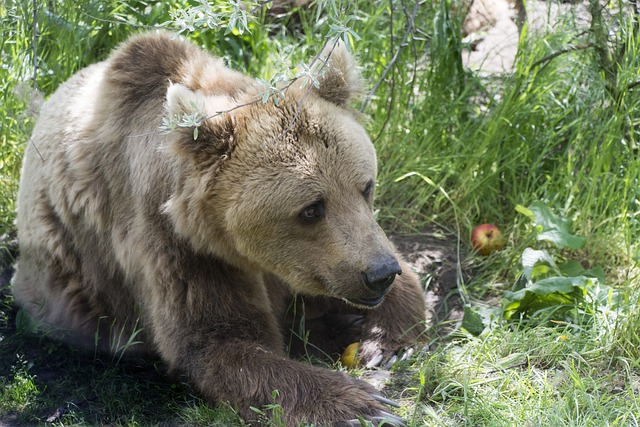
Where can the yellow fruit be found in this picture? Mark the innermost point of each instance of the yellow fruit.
(349, 355)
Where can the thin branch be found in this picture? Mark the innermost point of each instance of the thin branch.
(34, 45)
(521, 8)
(122, 22)
(600, 36)
(409, 30)
(325, 62)
(554, 55)
(310, 88)
(414, 50)
(261, 5)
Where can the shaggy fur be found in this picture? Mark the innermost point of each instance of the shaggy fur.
(195, 247)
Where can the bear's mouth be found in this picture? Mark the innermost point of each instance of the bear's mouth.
(367, 302)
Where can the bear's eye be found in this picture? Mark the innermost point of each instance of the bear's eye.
(313, 213)
(368, 191)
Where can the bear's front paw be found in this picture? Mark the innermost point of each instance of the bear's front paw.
(327, 398)
(379, 417)
(384, 419)
(374, 354)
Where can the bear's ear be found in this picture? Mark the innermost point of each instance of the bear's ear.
(214, 137)
(341, 81)
(181, 100)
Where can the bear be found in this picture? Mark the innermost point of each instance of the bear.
(200, 243)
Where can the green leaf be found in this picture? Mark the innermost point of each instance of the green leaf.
(547, 286)
(596, 272)
(525, 211)
(531, 304)
(25, 322)
(571, 268)
(531, 258)
(472, 321)
(574, 268)
(554, 228)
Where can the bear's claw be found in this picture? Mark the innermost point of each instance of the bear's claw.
(384, 400)
(387, 359)
(386, 419)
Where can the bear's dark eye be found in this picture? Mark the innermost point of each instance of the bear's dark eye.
(368, 191)
(313, 213)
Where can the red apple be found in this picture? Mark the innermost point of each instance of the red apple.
(486, 238)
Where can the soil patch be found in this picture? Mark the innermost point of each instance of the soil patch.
(440, 261)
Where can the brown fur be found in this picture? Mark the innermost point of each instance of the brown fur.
(197, 246)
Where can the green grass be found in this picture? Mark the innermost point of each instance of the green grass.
(456, 149)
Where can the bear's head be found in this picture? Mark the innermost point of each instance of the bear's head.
(286, 188)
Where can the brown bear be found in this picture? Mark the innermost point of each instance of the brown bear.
(192, 246)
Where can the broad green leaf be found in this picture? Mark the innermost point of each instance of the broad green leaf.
(525, 211)
(532, 257)
(549, 286)
(562, 239)
(25, 322)
(571, 268)
(574, 268)
(554, 228)
(596, 272)
(472, 321)
(557, 284)
(531, 304)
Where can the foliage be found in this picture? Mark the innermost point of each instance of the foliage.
(562, 291)
(550, 286)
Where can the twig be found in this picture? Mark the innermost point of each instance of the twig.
(261, 4)
(121, 22)
(553, 55)
(309, 89)
(409, 30)
(415, 63)
(34, 44)
(522, 15)
(523, 364)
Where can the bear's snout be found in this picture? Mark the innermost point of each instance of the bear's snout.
(379, 276)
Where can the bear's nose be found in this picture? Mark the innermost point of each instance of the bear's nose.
(380, 276)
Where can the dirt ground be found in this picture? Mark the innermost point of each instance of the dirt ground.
(435, 257)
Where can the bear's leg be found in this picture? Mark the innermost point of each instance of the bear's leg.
(398, 322)
(53, 283)
(47, 282)
(320, 327)
(215, 324)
